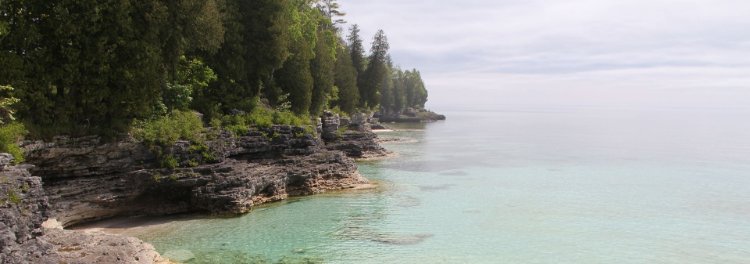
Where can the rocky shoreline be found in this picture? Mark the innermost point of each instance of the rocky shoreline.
(88, 179)
(411, 116)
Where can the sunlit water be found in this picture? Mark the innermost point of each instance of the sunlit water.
(567, 185)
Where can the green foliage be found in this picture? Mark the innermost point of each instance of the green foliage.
(91, 71)
(167, 130)
(192, 76)
(322, 68)
(161, 133)
(255, 45)
(263, 118)
(295, 76)
(332, 11)
(190, 26)
(345, 80)
(7, 101)
(82, 67)
(10, 135)
(169, 162)
(373, 79)
(356, 49)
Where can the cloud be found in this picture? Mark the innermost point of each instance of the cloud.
(569, 44)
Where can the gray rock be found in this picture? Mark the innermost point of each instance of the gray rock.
(79, 247)
(5, 160)
(330, 126)
(23, 208)
(88, 180)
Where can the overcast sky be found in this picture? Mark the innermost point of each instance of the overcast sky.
(630, 53)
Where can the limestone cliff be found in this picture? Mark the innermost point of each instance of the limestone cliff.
(87, 179)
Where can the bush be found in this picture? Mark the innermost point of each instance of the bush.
(261, 117)
(161, 133)
(10, 134)
(167, 130)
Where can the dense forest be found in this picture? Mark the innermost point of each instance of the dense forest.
(85, 67)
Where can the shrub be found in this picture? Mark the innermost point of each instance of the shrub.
(10, 134)
(261, 117)
(161, 133)
(167, 130)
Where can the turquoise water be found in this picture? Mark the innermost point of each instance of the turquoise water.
(565, 185)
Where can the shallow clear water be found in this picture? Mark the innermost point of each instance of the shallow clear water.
(565, 185)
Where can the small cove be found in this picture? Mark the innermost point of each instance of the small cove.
(543, 186)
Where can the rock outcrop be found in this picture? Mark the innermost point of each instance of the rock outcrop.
(23, 208)
(87, 179)
(356, 139)
(411, 115)
(23, 239)
(82, 247)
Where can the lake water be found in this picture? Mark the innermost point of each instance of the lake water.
(544, 185)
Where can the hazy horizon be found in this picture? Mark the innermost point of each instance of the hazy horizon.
(661, 53)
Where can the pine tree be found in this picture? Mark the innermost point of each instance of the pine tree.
(357, 52)
(346, 81)
(89, 71)
(373, 79)
(322, 68)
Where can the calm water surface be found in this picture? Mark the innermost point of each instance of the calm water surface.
(566, 185)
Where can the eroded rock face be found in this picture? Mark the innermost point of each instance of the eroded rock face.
(356, 140)
(23, 208)
(87, 180)
(358, 145)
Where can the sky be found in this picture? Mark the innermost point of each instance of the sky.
(624, 53)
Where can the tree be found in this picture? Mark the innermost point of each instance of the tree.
(86, 66)
(331, 9)
(373, 79)
(322, 67)
(415, 89)
(193, 76)
(256, 44)
(295, 78)
(356, 49)
(346, 81)
(192, 25)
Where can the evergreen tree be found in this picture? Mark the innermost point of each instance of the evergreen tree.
(346, 81)
(357, 52)
(373, 79)
(322, 68)
(87, 66)
(255, 45)
(332, 10)
(192, 25)
(295, 77)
